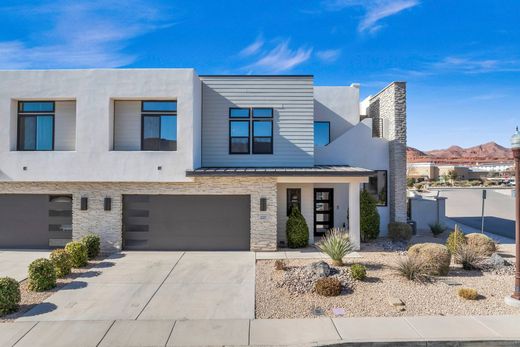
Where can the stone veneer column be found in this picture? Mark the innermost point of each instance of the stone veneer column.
(388, 109)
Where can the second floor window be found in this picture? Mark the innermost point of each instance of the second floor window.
(321, 133)
(36, 125)
(245, 123)
(159, 126)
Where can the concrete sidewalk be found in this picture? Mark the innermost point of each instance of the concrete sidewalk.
(398, 331)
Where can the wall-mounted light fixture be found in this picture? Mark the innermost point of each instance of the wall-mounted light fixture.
(24, 168)
(263, 204)
(84, 204)
(108, 204)
(159, 168)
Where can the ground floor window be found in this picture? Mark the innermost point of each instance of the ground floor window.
(377, 187)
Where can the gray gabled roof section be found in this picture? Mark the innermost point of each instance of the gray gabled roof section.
(318, 170)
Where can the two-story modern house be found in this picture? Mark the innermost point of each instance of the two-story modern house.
(165, 159)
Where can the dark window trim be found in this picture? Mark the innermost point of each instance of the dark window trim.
(288, 202)
(19, 137)
(248, 137)
(20, 102)
(386, 188)
(268, 120)
(240, 108)
(158, 114)
(262, 108)
(324, 121)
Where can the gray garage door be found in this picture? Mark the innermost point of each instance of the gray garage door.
(35, 220)
(186, 222)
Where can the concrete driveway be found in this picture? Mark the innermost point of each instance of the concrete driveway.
(158, 285)
(14, 263)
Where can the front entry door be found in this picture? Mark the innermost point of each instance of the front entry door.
(323, 210)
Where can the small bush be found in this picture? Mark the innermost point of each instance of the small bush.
(435, 258)
(61, 261)
(468, 293)
(9, 295)
(336, 244)
(328, 286)
(42, 275)
(481, 243)
(92, 242)
(410, 268)
(297, 230)
(78, 253)
(437, 228)
(358, 272)
(455, 239)
(469, 256)
(369, 217)
(399, 231)
(279, 264)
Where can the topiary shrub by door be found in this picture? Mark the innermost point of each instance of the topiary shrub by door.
(297, 230)
(9, 295)
(369, 223)
(42, 275)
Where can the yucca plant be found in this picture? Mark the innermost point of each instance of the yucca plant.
(469, 256)
(411, 268)
(336, 244)
(437, 228)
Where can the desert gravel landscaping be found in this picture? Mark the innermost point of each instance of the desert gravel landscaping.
(370, 298)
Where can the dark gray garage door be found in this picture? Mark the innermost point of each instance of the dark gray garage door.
(35, 220)
(186, 222)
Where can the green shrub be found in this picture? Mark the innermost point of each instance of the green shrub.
(435, 258)
(455, 239)
(481, 243)
(297, 230)
(469, 256)
(42, 275)
(9, 295)
(328, 286)
(369, 217)
(78, 253)
(62, 262)
(410, 268)
(92, 242)
(336, 244)
(437, 228)
(468, 293)
(358, 272)
(399, 231)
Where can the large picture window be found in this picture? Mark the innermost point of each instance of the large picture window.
(377, 187)
(159, 126)
(36, 125)
(247, 123)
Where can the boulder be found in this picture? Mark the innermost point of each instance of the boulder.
(319, 269)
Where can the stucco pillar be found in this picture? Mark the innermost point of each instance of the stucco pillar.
(354, 216)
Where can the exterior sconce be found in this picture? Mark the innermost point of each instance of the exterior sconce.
(108, 204)
(84, 204)
(263, 204)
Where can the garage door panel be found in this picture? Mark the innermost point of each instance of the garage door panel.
(187, 222)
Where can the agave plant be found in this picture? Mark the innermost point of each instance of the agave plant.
(336, 244)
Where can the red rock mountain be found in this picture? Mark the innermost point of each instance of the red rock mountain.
(488, 152)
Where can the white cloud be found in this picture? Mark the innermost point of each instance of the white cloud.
(81, 34)
(471, 65)
(281, 58)
(253, 48)
(375, 10)
(329, 55)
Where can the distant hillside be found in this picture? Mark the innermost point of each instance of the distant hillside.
(485, 153)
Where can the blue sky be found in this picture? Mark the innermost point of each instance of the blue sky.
(461, 58)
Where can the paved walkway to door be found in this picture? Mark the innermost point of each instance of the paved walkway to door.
(155, 286)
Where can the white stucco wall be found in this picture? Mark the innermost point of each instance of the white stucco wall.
(94, 92)
(337, 105)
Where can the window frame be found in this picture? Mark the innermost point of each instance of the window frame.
(322, 121)
(35, 114)
(386, 188)
(158, 114)
(250, 119)
(248, 137)
(288, 202)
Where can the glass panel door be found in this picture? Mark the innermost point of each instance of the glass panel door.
(323, 210)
